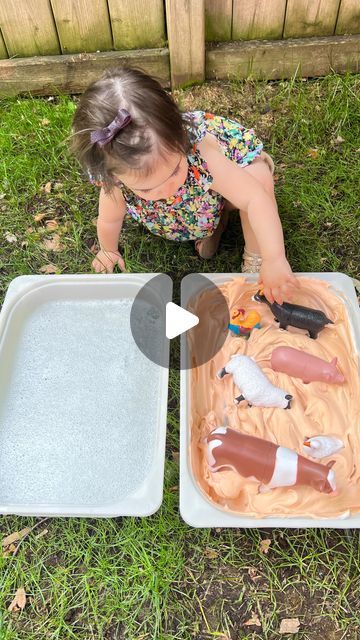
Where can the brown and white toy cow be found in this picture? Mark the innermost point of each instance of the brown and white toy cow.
(272, 465)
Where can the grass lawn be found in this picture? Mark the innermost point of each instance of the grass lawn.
(156, 578)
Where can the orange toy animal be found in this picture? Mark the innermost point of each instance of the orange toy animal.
(241, 324)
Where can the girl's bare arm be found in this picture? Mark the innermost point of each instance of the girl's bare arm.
(248, 194)
(112, 210)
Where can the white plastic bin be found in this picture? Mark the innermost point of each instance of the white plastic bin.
(196, 509)
(82, 410)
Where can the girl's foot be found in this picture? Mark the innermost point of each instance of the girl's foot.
(251, 262)
(207, 247)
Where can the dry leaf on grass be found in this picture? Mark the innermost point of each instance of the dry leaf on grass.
(8, 545)
(289, 625)
(253, 621)
(10, 550)
(264, 545)
(252, 571)
(53, 243)
(48, 268)
(42, 533)
(10, 237)
(46, 188)
(313, 153)
(14, 537)
(51, 224)
(19, 601)
(211, 553)
(39, 216)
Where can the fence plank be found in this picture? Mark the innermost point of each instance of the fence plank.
(82, 25)
(218, 19)
(310, 18)
(28, 28)
(258, 19)
(185, 21)
(3, 52)
(279, 59)
(72, 73)
(349, 17)
(137, 23)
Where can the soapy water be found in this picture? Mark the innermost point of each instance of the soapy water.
(79, 406)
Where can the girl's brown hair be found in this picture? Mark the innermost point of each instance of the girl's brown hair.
(156, 124)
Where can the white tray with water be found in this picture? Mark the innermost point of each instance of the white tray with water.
(82, 410)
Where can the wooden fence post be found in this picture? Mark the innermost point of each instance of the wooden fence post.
(3, 52)
(137, 24)
(185, 21)
(218, 20)
(349, 17)
(258, 19)
(28, 28)
(310, 18)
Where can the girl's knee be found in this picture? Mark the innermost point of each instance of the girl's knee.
(260, 170)
(268, 161)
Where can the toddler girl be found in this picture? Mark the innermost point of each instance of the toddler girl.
(178, 174)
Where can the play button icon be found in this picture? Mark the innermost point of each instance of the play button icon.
(201, 321)
(178, 320)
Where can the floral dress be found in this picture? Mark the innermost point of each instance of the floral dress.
(194, 211)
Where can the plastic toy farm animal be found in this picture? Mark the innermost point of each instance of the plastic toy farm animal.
(302, 365)
(253, 384)
(241, 324)
(296, 316)
(272, 465)
(322, 446)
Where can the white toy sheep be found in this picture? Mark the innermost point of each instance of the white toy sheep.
(253, 384)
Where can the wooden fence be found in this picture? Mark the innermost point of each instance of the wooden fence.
(48, 45)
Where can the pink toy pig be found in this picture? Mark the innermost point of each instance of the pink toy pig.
(305, 366)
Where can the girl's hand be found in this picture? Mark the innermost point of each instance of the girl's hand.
(277, 279)
(105, 261)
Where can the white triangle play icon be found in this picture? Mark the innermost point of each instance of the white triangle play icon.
(178, 320)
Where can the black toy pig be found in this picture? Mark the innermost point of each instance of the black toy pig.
(297, 316)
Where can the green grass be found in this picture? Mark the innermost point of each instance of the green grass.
(157, 578)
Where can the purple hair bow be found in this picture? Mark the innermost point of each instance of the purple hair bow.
(107, 134)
